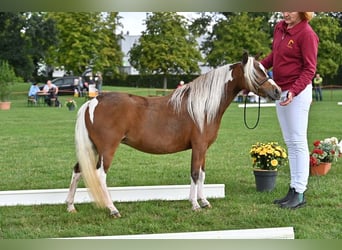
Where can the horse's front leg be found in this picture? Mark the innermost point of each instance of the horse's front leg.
(204, 203)
(193, 195)
(197, 182)
(75, 178)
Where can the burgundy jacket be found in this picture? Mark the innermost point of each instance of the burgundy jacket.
(293, 56)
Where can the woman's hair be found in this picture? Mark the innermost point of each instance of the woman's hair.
(306, 15)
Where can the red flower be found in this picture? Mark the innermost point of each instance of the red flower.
(317, 151)
(327, 150)
(313, 161)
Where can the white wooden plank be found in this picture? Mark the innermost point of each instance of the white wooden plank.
(339, 103)
(255, 105)
(121, 194)
(259, 233)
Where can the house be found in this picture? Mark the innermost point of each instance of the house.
(127, 43)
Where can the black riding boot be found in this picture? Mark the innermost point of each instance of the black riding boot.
(296, 201)
(289, 194)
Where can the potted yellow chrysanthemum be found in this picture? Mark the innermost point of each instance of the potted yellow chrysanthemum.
(71, 104)
(266, 159)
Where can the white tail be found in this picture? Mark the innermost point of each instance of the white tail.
(87, 158)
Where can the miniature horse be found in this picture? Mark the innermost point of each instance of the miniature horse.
(188, 118)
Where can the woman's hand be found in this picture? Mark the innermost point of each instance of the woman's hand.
(288, 99)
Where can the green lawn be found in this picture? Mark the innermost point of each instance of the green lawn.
(37, 152)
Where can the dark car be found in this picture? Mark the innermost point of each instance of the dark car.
(66, 85)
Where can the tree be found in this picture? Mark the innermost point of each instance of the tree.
(7, 79)
(41, 33)
(234, 34)
(86, 40)
(24, 39)
(330, 50)
(166, 47)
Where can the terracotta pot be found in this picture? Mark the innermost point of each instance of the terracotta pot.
(321, 169)
(5, 105)
(265, 180)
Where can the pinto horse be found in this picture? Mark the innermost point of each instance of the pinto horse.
(188, 118)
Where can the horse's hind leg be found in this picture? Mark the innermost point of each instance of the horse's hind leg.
(102, 169)
(76, 176)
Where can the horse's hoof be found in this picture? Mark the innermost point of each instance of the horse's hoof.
(72, 211)
(115, 214)
(206, 205)
(196, 209)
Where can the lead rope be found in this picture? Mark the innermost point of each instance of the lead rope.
(244, 115)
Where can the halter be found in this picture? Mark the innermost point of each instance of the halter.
(259, 84)
(244, 109)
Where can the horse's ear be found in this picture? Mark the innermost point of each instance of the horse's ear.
(257, 56)
(245, 58)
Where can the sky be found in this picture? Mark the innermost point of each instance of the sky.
(133, 21)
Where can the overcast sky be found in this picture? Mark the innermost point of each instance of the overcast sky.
(133, 21)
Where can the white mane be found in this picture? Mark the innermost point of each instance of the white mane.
(251, 75)
(206, 92)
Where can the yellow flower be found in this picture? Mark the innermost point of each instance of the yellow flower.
(274, 162)
(268, 156)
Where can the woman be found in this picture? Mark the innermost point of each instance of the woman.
(33, 92)
(293, 60)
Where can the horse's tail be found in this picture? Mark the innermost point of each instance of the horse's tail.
(87, 157)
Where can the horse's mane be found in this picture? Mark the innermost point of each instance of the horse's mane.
(206, 92)
(204, 95)
(251, 74)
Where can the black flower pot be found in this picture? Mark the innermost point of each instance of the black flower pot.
(265, 180)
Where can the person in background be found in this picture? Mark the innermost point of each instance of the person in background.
(317, 82)
(270, 74)
(51, 90)
(79, 86)
(33, 92)
(98, 81)
(293, 61)
(181, 83)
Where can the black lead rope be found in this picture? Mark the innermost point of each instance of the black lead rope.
(245, 112)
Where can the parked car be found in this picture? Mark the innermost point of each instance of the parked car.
(66, 85)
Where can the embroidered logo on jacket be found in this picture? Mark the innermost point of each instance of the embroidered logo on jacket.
(290, 43)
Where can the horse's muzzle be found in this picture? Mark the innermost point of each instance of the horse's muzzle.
(277, 93)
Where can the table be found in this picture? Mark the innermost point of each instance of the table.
(41, 97)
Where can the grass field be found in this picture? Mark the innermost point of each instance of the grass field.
(37, 152)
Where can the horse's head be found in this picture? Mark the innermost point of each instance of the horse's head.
(257, 79)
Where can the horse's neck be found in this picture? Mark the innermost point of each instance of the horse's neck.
(231, 94)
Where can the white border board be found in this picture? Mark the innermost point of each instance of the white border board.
(255, 105)
(258, 233)
(120, 194)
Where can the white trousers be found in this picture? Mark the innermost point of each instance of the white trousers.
(293, 120)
